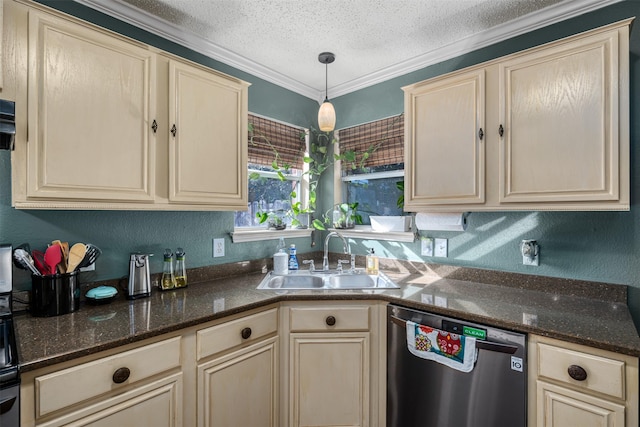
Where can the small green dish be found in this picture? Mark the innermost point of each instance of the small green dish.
(101, 295)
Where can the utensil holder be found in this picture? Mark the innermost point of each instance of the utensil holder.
(55, 294)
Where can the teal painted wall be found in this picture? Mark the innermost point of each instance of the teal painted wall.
(599, 246)
(120, 233)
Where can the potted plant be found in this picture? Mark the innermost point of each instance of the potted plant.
(274, 220)
(343, 216)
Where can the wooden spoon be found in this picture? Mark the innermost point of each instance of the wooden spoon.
(64, 247)
(65, 255)
(76, 254)
(53, 257)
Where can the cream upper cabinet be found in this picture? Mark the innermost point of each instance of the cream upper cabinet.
(445, 155)
(574, 385)
(116, 124)
(207, 145)
(556, 134)
(1, 31)
(561, 112)
(90, 104)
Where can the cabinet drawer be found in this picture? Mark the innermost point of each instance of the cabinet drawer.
(230, 334)
(92, 379)
(329, 319)
(603, 375)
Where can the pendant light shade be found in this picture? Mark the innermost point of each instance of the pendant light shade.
(326, 114)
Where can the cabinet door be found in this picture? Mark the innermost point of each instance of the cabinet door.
(444, 152)
(240, 389)
(329, 379)
(561, 407)
(1, 56)
(208, 141)
(560, 113)
(89, 111)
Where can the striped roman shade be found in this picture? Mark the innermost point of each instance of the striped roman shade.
(289, 141)
(387, 135)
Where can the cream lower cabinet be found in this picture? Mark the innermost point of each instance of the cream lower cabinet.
(334, 365)
(116, 124)
(542, 129)
(574, 385)
(237, 372)
(136, 387)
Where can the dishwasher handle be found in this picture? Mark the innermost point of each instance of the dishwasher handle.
(481, 345)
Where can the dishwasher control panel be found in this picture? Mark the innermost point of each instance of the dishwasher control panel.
(460, 329)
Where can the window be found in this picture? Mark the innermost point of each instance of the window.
(371, 177)
(275, 163)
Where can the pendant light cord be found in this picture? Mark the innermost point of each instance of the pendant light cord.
(326, 81)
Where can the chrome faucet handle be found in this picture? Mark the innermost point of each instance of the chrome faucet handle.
(353, 263)
(312, 266)
(340, 262)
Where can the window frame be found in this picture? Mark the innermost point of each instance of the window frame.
(260, 232)
(340, 188)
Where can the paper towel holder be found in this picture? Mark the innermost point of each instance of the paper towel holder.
(441, 221)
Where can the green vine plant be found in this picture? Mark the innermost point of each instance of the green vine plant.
(400, 201)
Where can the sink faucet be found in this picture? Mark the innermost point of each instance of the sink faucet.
(325, 259)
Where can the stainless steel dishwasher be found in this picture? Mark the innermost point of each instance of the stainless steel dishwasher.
(424, 393)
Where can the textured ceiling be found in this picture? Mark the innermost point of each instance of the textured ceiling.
(370, 38)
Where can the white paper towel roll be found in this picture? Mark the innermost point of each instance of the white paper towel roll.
(441, 221)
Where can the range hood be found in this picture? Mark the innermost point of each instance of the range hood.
(7, 124)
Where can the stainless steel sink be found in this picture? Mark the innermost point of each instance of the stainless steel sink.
(295, 281)
(356, 281)
(333, 280)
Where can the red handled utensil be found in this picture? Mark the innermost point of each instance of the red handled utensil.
(38, 260)
(52, 257)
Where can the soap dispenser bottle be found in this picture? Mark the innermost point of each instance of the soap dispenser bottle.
(280, 259)
(372, 262)
(293, 259)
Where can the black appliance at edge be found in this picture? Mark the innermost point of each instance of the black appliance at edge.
(9, 366)
(7, 124)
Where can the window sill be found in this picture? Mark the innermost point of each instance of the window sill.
(365, 232)
(240, 235)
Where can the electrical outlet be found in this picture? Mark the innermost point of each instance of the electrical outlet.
(218, 248)
(426, 246)
(440, 249)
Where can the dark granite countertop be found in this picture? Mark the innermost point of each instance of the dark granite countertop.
(587, 313)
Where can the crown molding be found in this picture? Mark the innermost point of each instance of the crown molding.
(534, 21)
(141, 19)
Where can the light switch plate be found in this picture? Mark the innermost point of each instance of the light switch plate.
(440, 248)
(426, 246)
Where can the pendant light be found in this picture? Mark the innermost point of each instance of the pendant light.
(326, 114)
